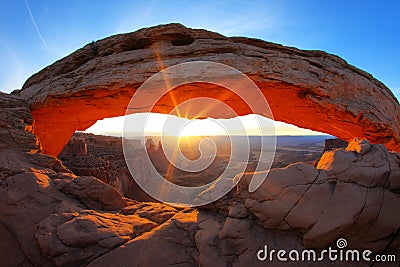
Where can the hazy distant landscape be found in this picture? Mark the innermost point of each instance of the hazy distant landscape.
(106, 153)
(289, 149)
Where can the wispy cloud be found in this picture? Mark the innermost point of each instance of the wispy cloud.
(17, 70)
(397, 93)
(227, 21)
(15, 77)
(243, 25)
(35, 25)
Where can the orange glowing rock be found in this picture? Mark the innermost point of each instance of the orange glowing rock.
(310, 89)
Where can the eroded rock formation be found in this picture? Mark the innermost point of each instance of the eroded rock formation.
(335, 143)
(102, 157)
(353, 193)
(310, 89)
(51, 217)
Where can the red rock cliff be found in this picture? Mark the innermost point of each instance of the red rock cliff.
(310, 89)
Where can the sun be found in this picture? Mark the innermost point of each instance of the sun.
(206, 127)
(163, 124)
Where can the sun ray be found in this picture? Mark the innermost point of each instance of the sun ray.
(170, 166)
(166, 80)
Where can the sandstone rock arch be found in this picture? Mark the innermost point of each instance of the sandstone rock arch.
(310, 89)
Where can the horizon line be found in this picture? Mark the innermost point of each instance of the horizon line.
(168, 135)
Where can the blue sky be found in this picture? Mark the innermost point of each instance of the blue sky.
(34, 34)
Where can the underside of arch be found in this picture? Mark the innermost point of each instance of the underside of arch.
(310, 89)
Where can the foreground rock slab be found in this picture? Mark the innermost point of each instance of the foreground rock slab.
(353, 193)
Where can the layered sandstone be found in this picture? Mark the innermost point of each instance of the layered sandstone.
(310, 89)
(51, 217)
(353, 193)
(102, 157)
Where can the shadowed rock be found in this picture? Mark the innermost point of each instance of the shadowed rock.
(51, 217)
(352, 193)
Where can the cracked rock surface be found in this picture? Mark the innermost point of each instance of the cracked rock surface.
(351, 194)
(51, 217)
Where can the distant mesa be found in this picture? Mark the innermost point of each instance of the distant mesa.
(334, 143)
(102, 157)
(310, 89)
